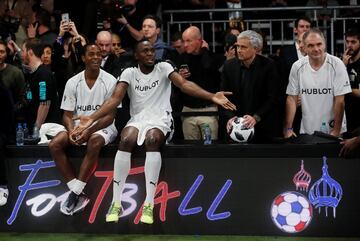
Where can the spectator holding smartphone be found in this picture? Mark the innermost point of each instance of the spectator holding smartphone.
(67, 49)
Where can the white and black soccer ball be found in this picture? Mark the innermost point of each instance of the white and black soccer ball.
(239, 132)
(291, 212)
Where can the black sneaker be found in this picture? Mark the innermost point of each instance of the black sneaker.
(74, 203)
(82, 201)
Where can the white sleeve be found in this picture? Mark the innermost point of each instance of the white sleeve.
(126, 76)
(69, 97)
(341, 83)
(112, 84)
(167, 68)
(293, 87)
(112, 88)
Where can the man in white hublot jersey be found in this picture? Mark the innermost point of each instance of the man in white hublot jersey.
(84, 94)
(322, 81)
(149, 88)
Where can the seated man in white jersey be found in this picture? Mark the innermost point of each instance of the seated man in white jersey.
(84, 94)
(321, 81)
(149, 88)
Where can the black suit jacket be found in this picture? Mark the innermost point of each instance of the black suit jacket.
(111, 65)
(288, 56)
(264, 91)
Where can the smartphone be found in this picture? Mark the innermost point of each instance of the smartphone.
(184, 66)
(65, 17)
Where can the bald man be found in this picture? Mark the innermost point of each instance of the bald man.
(201, 66)
(109, 61)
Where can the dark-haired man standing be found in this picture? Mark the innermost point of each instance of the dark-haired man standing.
(41, 91)
(288, 56)
(151, 27)
(351, 59)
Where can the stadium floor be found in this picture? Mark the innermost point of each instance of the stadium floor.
(98, 237)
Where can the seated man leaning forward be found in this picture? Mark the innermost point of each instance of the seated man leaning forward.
(149, 87)
(84, 93)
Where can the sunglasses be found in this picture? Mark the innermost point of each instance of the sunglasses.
(116, 44)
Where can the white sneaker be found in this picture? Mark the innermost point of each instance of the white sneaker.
(4, 194)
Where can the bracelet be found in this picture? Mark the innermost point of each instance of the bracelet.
(60, 39)
(289, 129)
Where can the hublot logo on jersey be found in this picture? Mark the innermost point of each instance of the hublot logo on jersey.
(315, 91)
(87, 107)
(147, 87)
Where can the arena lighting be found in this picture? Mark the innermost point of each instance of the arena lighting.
(45, 202)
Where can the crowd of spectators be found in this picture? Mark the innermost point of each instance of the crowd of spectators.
(39, 53)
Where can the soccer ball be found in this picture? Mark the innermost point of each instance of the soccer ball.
(239, 132)
(291, 212)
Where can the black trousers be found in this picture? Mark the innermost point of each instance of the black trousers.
(3, 140)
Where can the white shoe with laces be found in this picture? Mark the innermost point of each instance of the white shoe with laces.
(4, 194)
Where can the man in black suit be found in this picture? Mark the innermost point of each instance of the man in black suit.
(253, 79)
(114, 65)
(289, 55)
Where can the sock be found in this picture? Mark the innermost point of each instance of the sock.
(71, 183)
(152, 171)
(78, 187)
(122, 165)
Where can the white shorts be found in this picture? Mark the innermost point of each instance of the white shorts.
(146, 120)
(109, 133)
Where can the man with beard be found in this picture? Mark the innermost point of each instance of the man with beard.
(351, 59)
(41, 94)
(149, 87)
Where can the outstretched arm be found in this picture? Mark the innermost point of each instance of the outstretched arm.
(193, 89)
(136, 34)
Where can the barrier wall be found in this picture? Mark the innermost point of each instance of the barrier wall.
(217, 189)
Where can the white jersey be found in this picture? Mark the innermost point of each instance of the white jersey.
(317, 89)
(82, 100)
(150, 92)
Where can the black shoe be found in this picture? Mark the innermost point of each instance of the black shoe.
(74, 203)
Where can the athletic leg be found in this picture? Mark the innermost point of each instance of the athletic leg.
(153, 141)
